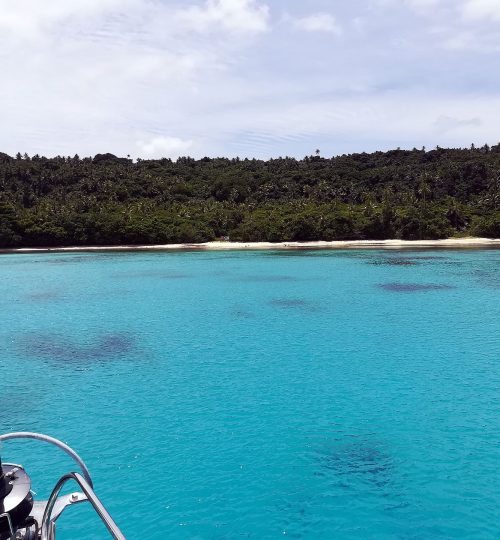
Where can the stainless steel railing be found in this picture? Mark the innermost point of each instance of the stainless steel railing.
(47, 526)
(55, 505)
(56, 442)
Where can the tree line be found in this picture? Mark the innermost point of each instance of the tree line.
(106, 200)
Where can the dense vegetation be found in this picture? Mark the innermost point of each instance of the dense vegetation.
(108, 200)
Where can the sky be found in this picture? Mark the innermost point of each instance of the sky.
(248, 78)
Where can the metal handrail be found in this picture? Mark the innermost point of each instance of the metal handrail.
(6, 516)
(51, 440)
(92, 498)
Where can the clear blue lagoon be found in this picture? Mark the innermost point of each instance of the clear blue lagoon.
(225, 395)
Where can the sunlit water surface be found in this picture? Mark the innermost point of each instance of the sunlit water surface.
(311, 394)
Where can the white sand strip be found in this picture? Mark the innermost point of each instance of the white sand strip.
(340, 244)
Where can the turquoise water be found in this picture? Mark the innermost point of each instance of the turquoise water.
(311, 394)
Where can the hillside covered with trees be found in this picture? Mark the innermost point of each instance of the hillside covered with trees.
(107, 200)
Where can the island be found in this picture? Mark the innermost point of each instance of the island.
(349, 200)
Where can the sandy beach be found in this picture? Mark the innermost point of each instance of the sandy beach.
(457, 243)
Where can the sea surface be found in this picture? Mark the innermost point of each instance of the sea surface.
(228, 395)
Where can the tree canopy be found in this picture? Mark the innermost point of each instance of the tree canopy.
(105, 200)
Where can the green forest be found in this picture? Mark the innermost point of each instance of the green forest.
(106, 200)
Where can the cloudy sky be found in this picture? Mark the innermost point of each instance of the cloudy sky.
(259, 78)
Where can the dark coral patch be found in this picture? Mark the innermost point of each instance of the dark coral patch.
(43, 296)
(242, 314)
(289, 303)
(266, 279)
(405, 260)
(59, 349)
(488, 278)
(414, 287)
(71, 258)
(303, 252)
(430, 258)
(158, 274)
(294, 304)
(361, 460)
(394, 262)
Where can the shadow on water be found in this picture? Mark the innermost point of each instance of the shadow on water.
(414, 287)
(63, 350)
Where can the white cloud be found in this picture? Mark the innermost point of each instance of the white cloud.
(389, 118)
(445, 123)
(247, 16)
(475, 10)
(423, 4)
(81, 76)
(159, 147)
(466, 10)
(29, 18)
(478, 41)
(174, 77)
(318, 22)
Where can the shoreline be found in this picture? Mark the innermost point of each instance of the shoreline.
(450, 243)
